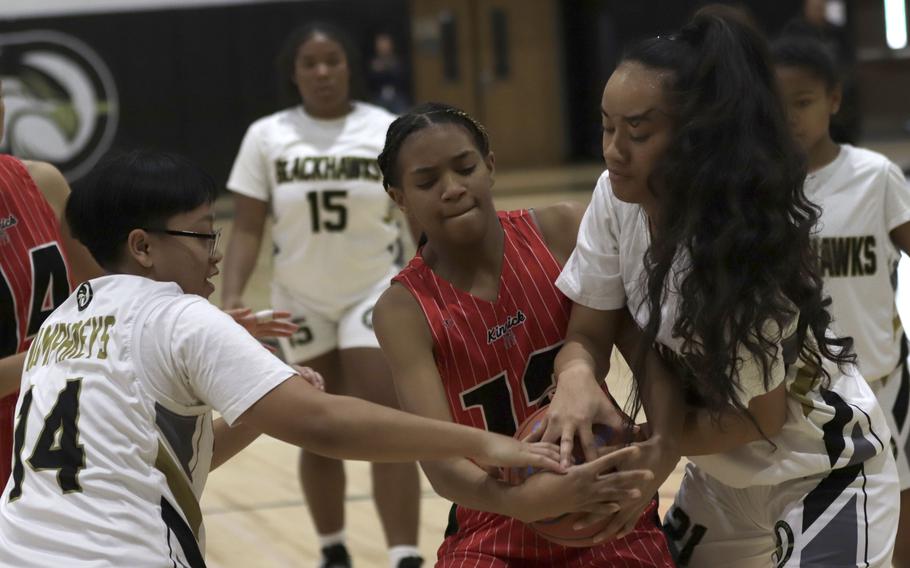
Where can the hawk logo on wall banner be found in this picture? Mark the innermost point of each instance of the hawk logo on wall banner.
(61, 100)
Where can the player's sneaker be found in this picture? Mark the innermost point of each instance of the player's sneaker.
(336, 556)
(410, 562)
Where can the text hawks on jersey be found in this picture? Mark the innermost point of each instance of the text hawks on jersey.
(846, 256)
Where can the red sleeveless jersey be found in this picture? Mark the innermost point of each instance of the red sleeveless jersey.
(496, 364)
(34, 278)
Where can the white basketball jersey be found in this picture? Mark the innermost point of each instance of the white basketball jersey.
(334, 232)
(863, 197)
(825, 428)
(113, 435)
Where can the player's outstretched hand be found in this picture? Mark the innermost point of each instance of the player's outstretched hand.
(594, 487)
(310, 376)
(508, 452)
(653, 455)
(578, 403)
(265, 323)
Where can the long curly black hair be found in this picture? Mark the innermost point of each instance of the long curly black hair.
(734, 239)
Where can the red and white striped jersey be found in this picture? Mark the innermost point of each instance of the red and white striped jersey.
(496, 363)
(496, 358)
(34, 278)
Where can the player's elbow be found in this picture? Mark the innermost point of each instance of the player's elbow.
(771, 426)
(439, 480)
(314, 426)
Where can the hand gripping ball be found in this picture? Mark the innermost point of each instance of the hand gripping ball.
(559, 529)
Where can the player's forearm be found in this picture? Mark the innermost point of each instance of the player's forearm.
(355, 429)
(469, 486)
(662, 399)
(580, 358)
(230, 441)
(660, 391)
(589, 343)
(349, 428)
(466, 484)
(11, 373)
(239, 262)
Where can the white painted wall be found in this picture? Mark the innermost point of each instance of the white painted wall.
(11, 9)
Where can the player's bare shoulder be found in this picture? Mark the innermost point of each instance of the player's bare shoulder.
(51, 183)
(398, 314)
(559, 224)
(394, 303)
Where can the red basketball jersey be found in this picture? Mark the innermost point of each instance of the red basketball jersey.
(496, 363)
(34, 278)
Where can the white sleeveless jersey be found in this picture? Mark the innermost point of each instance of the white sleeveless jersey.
(334, 232)
(825, 428)
(863, 197)
(113, 435)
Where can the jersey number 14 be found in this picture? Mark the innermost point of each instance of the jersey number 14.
(49, 281)
(58, 444)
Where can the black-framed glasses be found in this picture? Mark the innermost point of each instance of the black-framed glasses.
(215, 237)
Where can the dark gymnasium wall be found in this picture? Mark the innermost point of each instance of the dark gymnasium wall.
(185, 80)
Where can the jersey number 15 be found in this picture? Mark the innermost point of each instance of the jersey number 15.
(328, 211)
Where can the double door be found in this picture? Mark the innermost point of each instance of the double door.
(500, 61)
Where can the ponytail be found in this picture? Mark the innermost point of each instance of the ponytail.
(735, 235)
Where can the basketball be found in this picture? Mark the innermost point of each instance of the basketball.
(559, 529)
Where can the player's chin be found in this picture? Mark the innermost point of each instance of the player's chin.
(467, 226)
(209, 288)
(205, 290)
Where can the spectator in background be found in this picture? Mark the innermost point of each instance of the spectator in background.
(312, 167)
(817, 22)
(388, 76)
(863, 197)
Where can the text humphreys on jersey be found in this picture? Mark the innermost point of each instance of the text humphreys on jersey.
(321, 168)
(504, 329)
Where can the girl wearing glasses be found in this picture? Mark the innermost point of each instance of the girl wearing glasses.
(114, 434)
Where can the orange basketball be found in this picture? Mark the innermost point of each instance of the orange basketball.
(559, 529)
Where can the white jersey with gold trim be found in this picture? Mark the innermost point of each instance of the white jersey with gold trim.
(863, 197)
(113, 435)
(826, 428)
(335, 235)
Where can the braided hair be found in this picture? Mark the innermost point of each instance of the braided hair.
(420, 117)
